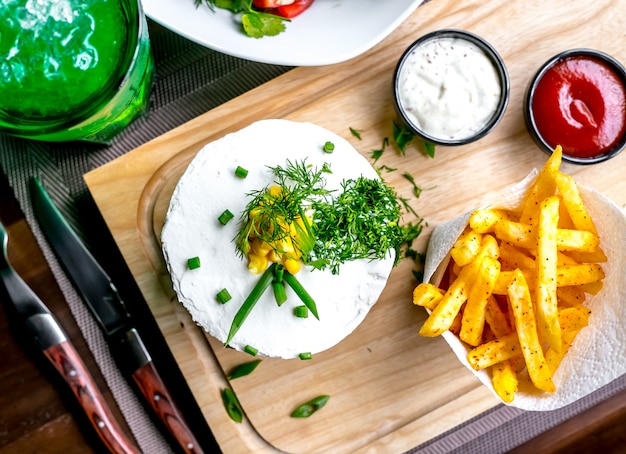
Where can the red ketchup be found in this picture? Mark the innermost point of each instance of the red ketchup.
(580, 104)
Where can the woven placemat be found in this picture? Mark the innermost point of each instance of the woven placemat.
(191, 80)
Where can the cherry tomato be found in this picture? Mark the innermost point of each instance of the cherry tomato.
(270, 3)
(293, 9)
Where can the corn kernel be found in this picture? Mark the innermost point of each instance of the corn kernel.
(291, 265)
(257, 264)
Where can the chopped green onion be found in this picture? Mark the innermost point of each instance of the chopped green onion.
(244, 369)
(305, 355)
(301, 311)
(241, 172)
(301, 292)
(233, 408)
(264, 281)
(279, 272)
(307, 409)
(280, 295)
(223, 296)
(225, 217)
(249, 349)
(193, 263)
(329, 147)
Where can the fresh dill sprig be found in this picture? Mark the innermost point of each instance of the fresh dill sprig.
(361, 223)
(270, 212)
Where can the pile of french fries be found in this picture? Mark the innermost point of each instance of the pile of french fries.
(515, 288)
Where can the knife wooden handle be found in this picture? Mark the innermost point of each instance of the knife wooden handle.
(67, 362)
(157, 396)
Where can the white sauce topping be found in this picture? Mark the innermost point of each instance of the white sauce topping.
(449, 88)
(208, 187)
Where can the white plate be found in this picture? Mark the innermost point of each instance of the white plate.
(330, 31)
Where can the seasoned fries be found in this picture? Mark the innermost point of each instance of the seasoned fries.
(518, 283)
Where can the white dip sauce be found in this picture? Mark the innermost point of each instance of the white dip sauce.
(208, 187)
(448, 88)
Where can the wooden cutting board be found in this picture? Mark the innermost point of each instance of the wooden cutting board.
(390, 389)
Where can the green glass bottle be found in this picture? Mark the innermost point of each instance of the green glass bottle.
(72, 69)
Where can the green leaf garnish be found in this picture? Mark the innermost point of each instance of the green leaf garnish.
(402, 137)
(255, 23)
(356, 133)
(377, 154)
(416, 189)
(307, 409)
(258, 25)
(243, 369)
(430, 149)
(233, 408)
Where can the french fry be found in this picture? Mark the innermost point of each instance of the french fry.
(526, 328)
(572, 320)
(443, 315)
(505, 382)
(473, 320)
(525, 236)
(517, 282)
(514, 257)
(466, 247)
(497, 319)
(592, 287)
(570, 296)
(484, 220)
(493, 352)
(543, 187)
(573, 202)
(585, 273)
(427, 295)
(546, 267)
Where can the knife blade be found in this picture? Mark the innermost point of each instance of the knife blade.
(42, 327)
(101, 296)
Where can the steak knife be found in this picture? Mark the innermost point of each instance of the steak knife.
(40, 325)
(101, 296)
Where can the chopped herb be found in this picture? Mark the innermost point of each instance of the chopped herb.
(223, 296)
(244, 369)
(386, 168)
(377, 154)
(356, 133)
(250, 350)
(241, 172)
(328, 147)
(233, 408)
(225, 217)
(255, 23)
(193, 263)
(430, 149)
(416, 189)
(307, 409)
(301, 311)
(361, 223)
(402, 137)
(305, 356)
